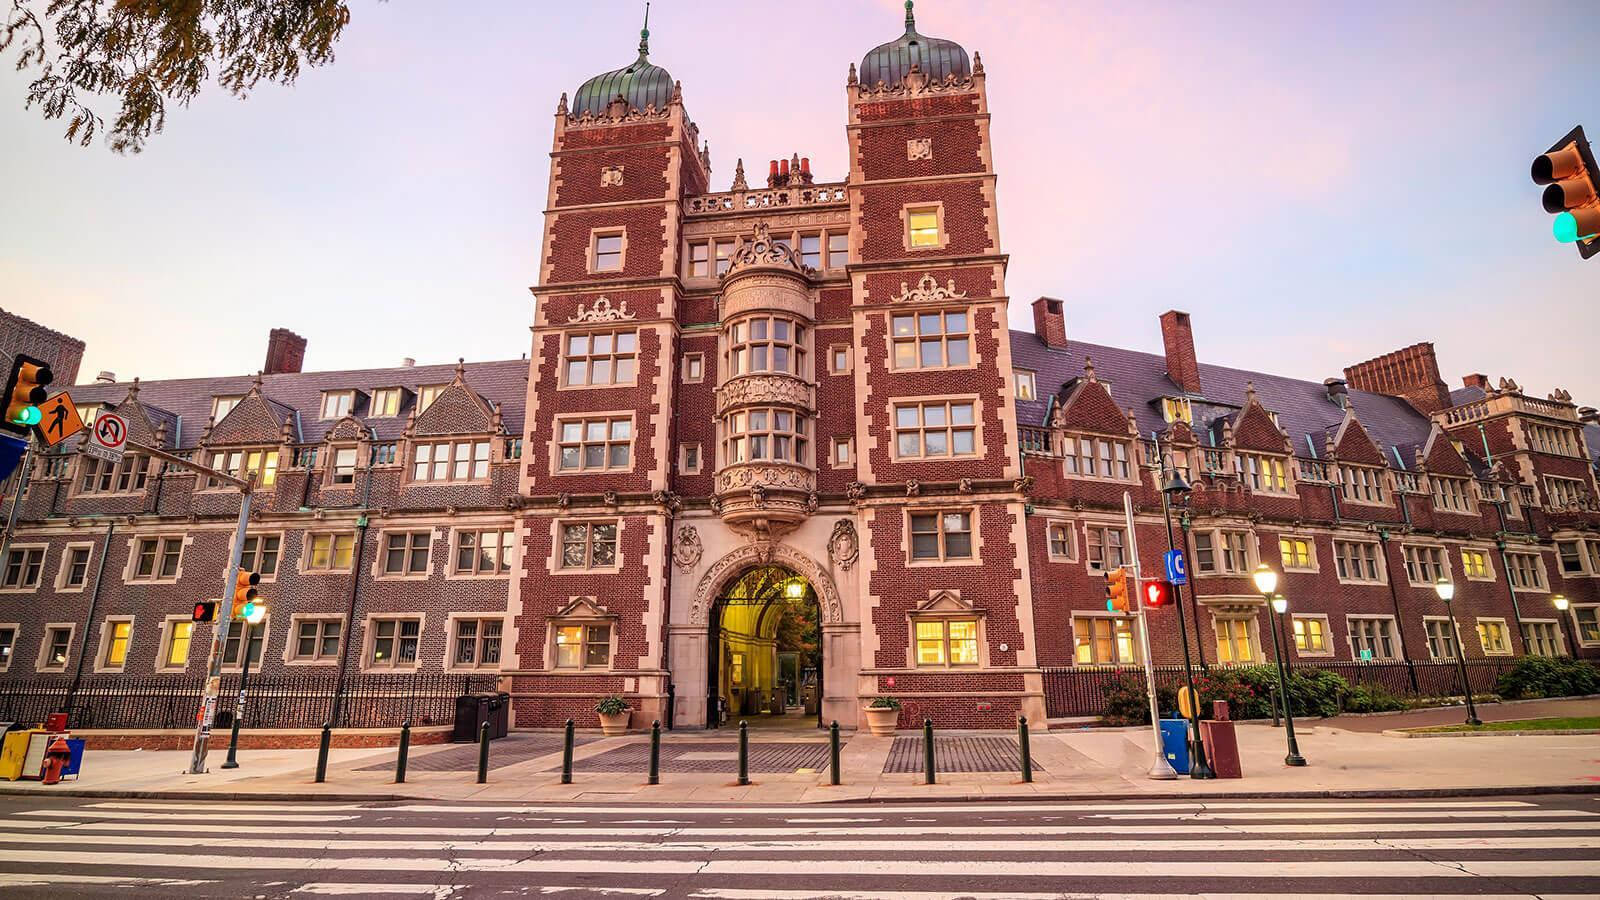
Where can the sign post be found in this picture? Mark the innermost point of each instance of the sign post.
(1160, 770)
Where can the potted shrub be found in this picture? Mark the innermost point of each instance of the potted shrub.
(882, 714)
(614, 714)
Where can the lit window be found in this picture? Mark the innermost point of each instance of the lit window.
(1265, 474)
(385, 403)
(1026, 388)
(317, 640)
(595, 444)
(758, 434)
(838, 251)
(923, 223)
(931, 340)
(941, 536)
(156, 559)
(477, 643)
(428, 393)
(336, 404)
(394, 642)
(118, 634)
(607, 253)
(935, 429)
(1097, 457)
(1176, 409)
(601, 359)
(406, 553)
(262, 464)
(179, 635)
(1235, 643)
(1105, 548)
(588, 545)
(23, 567)
(952, 642)
(1492, 636)
(485, 552)
(765, 344)
(1104, 641)
(331, 552)
(1475, 563)
(1310, 634)
(1296, 553)
(1441, 642)
(450, 461)
(1060, 538)
(583, 646)
(260, 554)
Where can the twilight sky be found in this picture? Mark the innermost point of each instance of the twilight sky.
(1316, 183)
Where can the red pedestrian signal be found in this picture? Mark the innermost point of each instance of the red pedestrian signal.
(1157, 593)
(205, 611)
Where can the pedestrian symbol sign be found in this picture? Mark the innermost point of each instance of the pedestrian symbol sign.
(58, 419)
(108, 438)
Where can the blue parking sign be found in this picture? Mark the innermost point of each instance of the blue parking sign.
(1177, 569)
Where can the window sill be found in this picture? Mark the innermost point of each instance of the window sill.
(311, 662)
(1310, 571)
(475, 576)
(21, 590)
(1363, 582)
(576, 670)
(604, 570)
(599, 387)
(1313, 654)
(415, 576)
(172, 580)
(940, 563)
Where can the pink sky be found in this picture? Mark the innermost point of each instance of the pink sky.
(1316, 183)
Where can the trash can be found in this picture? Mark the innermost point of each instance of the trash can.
(1175, 744)
(472, 710)
(499, 715)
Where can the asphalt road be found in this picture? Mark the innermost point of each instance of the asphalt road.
(1479, 847)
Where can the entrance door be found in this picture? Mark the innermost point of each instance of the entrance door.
(764, 616)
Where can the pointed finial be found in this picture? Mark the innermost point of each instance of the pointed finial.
(258, 379)
(644, 34)
(1088, 364)
(561, 108)
(739, 184)
(1249, 392)
(977, 63)
(133, 389)
(461, 368)
(852, 79)
(911, 19)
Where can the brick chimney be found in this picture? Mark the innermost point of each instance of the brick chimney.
(286, 352)
(1178, 338)
(1477, 380)
(1410, 373)
(1050, 323)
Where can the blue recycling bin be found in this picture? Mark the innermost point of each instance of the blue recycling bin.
(1175, 744)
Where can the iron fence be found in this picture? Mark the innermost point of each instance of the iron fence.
(1079, 691)
(273, 701)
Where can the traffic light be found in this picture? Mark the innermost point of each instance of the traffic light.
(1157, 593)
(244, 596)
(24, 392)
(1572, 191)
(1117, 590)
(205, 611)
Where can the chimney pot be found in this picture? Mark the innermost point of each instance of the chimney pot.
(1177, 336)
(1588, 415)
(407, 363)
(1050, 323)
(286, 352)
(805, 164)
(106, 378)
(1338, 391)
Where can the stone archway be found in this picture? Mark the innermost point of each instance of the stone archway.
(762, 555)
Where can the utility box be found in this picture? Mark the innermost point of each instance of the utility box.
(1222, 745)
(1175, 744)
(13, 751)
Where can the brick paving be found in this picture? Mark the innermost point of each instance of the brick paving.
(506, 751)
(706, 756)
(957, 754)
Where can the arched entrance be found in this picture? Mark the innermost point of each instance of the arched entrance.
(765, 649)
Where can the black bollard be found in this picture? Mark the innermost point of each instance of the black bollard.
(833, 752)
(483, 753)
(744, 752)
(405, 750)
(566, 756)
(322, 752)
(927, 751)
(655, 752)
(1022, 749)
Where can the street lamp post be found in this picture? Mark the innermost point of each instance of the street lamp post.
(1446, 589)
(1174, 488)
(1560, 601)
(1267, 583)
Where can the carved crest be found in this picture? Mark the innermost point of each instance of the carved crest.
(686, 550)
(762, 250)
(602, 311)
(929, 291)
(843, 545)
(913, 487)
(919, 148)
(611, 176)
(855, 490)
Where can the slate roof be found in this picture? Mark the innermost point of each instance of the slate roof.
(1136, 379)
(185, 404)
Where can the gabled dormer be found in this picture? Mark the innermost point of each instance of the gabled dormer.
(1363, 471)
(1262, 452)
(453, 439)
(148, 426)
(1448, 472)
(342, 451)
(1096, 437)
(251, 439)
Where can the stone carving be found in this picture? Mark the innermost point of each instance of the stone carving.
(602, 311)
(687, 549)
(855, 490)
(610, 498)
(762, 250)
(928, 291)
(563, 500)
(768, 476)
(758, 496)
(763, 390)
(915, 82)
(913, 487)
(1560, 396)
(919, 148)
(965, 486)
(716, 505)
(765, 553)
(843, 545)
(611, 176)
(1023, 485)
(667, 499)
(617, 113)
(812, 502)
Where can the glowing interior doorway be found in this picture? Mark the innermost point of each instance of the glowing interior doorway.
(766, 650)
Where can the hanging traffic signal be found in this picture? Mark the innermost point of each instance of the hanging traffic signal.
(1572, 191)
(1117, 590)
(24, 392)
(244, 595)
(1156, 593)
(205, 611)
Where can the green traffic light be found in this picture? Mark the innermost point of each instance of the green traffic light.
(28, 416)
(1566, 229)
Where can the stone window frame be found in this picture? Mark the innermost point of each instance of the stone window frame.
(380, 561)
(369, 638)
(138, 480)
(828, 234)
(581, 612)
(1327, 651)
(614, 356)
(849, 444)
(1505, 635)
(1379, 484)
(937, 208)
(684, 450)
(583, 418)
(1252, 624)
(738, 345)
(946, 607)
(102, 653)
(44, 646)
(556, 555)
(1379, 561)
(689, 247)
(508, 551)
(1429, 638)
(1588, 554)
(800, 236)
(1116, 525)
(1468, 497)
(448, 662)
(331, 467)
(1555, 632)
(974, 533)
(1267, 465)
(291, 641)
(943, 335)
(472, 442)
(688, 363)
(309, 536)
(1071, 530)
(739, 432)
(169, 626)
(263, 628)
(1552, 440)
(219, 458)
(1220, 552)
(1447, 571)
(1541, 574)
(593, 261)
(373, 405)
(254, 557)
(1071, 453)
(1392, 632)
(1488, 564)
(1577, 624)
(16, 635)
(131, 568)
(1021, 376)
(23, 586)
(949, 401)
(342, 394)
(1310, 541)
(1135, 651)
(849, 359)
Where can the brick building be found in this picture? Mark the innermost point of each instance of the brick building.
(63, 352)
(805, 393)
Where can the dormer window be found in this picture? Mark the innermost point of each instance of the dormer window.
(385, 403)
(1026, 385)
(1176, 409)
(1264, 474)
(428, 393)
(1362, 484)
(337, 404)
(1450, 494)
(262, 463)
(221, 406)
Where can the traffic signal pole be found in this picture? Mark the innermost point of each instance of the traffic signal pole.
(1160, 770)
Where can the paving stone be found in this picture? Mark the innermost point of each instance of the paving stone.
(957, 754)
(697, 756)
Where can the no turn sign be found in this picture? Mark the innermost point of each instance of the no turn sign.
(108, 437)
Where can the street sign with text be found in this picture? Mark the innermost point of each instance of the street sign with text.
(108, 438)
(1177, 568)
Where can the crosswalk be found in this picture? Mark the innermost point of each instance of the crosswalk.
(1490, 847)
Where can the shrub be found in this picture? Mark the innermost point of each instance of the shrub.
(1548, 676)
(611, 706)
(1126, 701)
(1371, 698)
(884, 703)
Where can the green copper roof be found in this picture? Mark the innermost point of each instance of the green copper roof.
(641, 84)
(936, 57)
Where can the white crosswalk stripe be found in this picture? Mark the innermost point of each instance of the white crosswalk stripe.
(1304, 850)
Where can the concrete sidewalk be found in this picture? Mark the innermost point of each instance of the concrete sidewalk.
(1346, 756)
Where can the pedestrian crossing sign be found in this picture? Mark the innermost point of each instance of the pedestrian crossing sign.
(58, 419)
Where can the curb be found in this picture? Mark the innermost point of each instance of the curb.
(232, 796)
(1538, 732)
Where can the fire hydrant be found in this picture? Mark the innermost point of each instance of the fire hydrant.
(55, 759)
